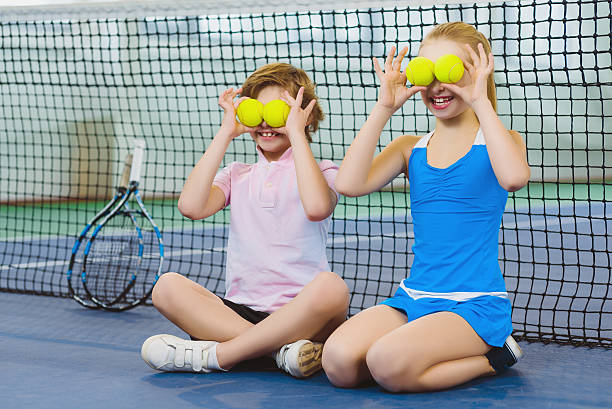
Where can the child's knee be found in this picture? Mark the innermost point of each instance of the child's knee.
(393, 373)
(340, 363)
(164, 289)
(332, 293)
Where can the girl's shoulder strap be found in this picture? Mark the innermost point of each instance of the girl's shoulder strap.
(480, 140)
(422, 143)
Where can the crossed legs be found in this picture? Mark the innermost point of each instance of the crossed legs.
(313, 314)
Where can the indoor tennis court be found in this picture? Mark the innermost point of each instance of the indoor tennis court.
(80, 81)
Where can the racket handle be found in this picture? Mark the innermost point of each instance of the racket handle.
(139, 146)
(125, 176)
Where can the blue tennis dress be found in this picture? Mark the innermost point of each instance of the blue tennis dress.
(457, 213)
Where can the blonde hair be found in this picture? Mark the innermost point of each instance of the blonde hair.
(464, 33)
(290, 78)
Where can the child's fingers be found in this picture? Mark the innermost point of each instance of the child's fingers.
(299, 97)
(239, 100)
(481, 53)
(310, 107)
(416, 88)
(398, 61)
(491, 64)
(286, 96)
(389, 59)
(377, 68)
(473, 56)
(455, 89)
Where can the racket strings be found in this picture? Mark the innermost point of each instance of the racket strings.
(124, 259)
(113, 259)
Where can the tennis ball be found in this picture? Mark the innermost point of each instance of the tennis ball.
(420, 71)
(449, 68)
(250, 112)
(275, 113)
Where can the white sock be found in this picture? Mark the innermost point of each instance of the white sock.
(212, 362)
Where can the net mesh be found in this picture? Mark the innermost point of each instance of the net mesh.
(76, 91)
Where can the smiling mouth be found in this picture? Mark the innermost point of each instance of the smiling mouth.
(441, 102)
(268, 134)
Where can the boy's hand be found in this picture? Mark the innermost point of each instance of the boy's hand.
(230, 126)
(298, 118)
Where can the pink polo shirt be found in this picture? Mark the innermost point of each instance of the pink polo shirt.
(273, 249)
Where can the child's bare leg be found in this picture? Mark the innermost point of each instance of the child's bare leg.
(344, 353)
(196, 310)
(313, 314)
(434, 352)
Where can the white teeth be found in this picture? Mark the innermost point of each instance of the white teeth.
(441, 100)
(267, 134)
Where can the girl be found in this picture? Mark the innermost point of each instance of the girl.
(280, 297)
(450, 320)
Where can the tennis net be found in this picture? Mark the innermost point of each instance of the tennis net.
(79, 82)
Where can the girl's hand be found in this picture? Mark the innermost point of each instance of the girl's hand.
(475, 90)
(230, 124)
(298, 118)
(393, 91)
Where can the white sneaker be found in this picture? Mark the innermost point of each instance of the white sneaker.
(169, 353)
(300, 359)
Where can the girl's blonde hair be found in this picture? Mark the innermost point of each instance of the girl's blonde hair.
(290, 78)
(464, 33)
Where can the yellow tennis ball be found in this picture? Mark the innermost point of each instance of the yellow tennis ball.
(250, 112)
(449, 68)
(275, 113)
(420, 71)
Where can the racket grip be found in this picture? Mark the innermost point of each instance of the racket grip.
(125, 176)
(139, 146)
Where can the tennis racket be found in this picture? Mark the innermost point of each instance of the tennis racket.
(122, 259)
(75, 286)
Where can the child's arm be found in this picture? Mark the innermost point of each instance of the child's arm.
(362, 173)
(318, 199)
(199, 198)
(507, 150)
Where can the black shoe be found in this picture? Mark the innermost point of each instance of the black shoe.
(506, 356)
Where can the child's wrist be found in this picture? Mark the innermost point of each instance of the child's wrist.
(380, 109)
(482, 105)
(296, 136)
(225, 135)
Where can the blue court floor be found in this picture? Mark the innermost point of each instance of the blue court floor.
(57, 354)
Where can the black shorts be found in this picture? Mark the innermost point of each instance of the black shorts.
(245, 312)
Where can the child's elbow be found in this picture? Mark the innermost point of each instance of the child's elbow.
(320, 210)
(517, 181)
(318, 214)
(188, 211)
(345, 188)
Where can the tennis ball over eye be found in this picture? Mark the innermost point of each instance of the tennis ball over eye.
(250, 112)
(275, 113)
(420, 71)
(449, 68)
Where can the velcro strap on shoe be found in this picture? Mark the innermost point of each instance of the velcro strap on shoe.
(196, 359)
(179, 356)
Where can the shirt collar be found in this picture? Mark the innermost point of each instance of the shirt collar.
(287, 156)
